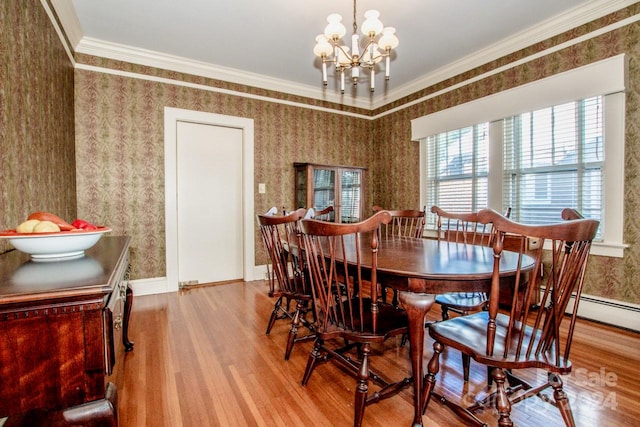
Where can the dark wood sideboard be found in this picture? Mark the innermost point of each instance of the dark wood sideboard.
(63, 330)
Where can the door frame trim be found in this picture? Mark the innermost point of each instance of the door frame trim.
(171, 117)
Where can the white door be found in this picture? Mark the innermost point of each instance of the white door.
(209, 202)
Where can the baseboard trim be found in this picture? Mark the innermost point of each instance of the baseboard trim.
(159, 285)
(152, 286)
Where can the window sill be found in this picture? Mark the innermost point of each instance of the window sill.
(615, 250)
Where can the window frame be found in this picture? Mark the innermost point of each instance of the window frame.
(534, 169)
(607, 78)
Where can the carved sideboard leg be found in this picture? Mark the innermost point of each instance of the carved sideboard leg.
(128, 302)
(99, 410)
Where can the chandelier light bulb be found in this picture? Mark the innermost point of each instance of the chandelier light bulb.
(372, 26)
(322, 47)
(334, 30)
(388, 40)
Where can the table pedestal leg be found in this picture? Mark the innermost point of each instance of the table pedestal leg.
(417, 306)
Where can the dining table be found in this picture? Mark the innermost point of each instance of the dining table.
(421, 268)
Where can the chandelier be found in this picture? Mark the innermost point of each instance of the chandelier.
(330, 49)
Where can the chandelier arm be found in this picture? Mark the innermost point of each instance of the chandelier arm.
(379, 53)
(327, 60)
(350, 58)
(347, 55)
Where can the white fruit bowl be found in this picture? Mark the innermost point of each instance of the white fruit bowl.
(54, 246)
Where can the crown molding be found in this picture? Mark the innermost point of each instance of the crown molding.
(58, 29)
(549, 28)
(101, 48)
(69, 20)
(169, 81)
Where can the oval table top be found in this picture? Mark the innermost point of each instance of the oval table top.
(436, 266)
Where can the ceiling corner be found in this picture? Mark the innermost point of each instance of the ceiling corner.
(69, 20)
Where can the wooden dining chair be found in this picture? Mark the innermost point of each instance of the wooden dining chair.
(532, 334)
(569, 214)
(272, 211)
(325, 214)
(279, 234)
(321, 215)
(345, 312)
(463, 228)
(404, 223)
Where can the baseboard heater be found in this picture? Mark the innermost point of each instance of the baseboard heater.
(608, 311)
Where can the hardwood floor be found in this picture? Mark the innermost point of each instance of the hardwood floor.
(201, 358)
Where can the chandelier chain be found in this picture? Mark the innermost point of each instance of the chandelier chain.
(355, 22)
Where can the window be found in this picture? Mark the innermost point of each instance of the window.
(458, 169)
(554, 158)
(537, 163)
(580, 152)
(324, 184)
(351, 185)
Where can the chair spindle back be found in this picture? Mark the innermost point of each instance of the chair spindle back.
(340, 302)
(404, 223)
(463, 227)
(542, 299)
(280, 233)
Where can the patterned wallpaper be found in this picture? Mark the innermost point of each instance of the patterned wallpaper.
(120, 159)
(119, 138)
(613, 278)
(36, 117)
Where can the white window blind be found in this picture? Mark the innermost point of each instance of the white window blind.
(458, 168)
(554, 158)
(324, 188)
(350, 198)
(605, 80)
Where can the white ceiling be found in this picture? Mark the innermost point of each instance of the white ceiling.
(269, 43)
